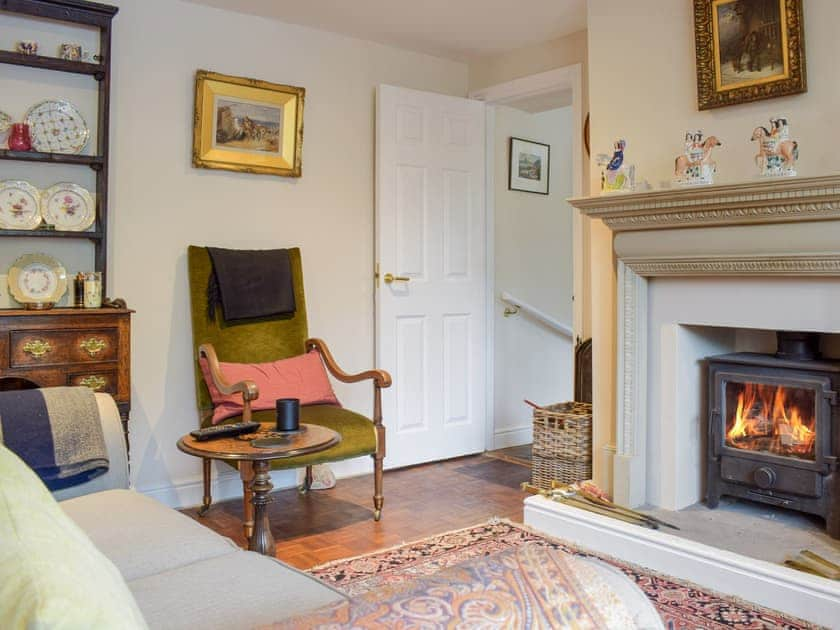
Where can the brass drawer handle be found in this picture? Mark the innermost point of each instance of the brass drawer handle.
(37, 347)
(94, 382)
(93, 346)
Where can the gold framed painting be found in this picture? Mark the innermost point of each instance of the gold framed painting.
(748, 50)
(247, 125)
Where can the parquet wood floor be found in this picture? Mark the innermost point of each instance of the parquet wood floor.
(420, 501)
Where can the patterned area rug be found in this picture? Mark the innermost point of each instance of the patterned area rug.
(683, 606)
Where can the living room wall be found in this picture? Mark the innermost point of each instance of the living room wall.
(642, 87)
(161, 203)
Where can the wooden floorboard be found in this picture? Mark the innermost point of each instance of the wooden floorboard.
(420, 501)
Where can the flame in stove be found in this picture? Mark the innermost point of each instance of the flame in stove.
(765, 419)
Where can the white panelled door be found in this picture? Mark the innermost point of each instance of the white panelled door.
(430, 297)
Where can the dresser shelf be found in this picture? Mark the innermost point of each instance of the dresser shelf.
(96, 70)
(94, 161)
(94, 236)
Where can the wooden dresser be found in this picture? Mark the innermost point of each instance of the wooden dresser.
(68, 346)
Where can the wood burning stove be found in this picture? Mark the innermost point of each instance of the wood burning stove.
(774, 428)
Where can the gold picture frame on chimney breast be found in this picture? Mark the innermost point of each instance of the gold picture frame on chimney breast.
(748, 50)
(247, 125)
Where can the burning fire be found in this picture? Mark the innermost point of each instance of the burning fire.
(767, 420)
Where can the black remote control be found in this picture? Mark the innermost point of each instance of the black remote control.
(224, 430)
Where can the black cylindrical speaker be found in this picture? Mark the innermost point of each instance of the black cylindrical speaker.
(288, 414)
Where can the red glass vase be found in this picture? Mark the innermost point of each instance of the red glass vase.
(19, 139)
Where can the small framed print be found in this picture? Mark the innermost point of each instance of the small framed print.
(247, 125)
(529, 166)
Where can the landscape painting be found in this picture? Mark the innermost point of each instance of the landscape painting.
(529, 166)
(241, 125)
(748, 50)
(247, 125)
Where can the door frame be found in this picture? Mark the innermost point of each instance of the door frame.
(564, 78)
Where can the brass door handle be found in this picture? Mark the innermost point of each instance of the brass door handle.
(94, 381)
(389, 278)
(93, 346)
(37, 348)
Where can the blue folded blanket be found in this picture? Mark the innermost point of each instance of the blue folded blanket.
(56, 431)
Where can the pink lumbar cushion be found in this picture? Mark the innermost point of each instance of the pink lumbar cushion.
(302, 377)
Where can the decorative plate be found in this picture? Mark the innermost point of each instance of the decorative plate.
(68, 207)
(57, 127)
(37, 280)
(20, 207)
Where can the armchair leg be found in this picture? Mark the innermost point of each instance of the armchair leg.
(207, 499)
(378, 499)
(246, 473)
(306, 486)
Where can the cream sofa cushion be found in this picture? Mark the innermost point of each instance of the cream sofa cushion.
(140, 535)
(51, 574)
(239, 590)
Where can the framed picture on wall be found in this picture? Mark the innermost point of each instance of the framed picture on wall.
(247, 125)
(748, 50)
(529, 166)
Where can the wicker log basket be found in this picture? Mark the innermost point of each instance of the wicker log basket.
(562, 449)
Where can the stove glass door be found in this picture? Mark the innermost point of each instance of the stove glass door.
(771, 418)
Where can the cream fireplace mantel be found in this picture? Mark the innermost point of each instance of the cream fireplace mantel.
(779, 227)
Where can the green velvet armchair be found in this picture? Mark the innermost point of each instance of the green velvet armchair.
(269, 339)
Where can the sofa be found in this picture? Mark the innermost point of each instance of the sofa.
(179, 573)
(99, 555)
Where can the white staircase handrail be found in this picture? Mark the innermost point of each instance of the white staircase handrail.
(537, 314)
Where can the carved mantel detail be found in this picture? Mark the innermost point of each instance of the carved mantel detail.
(766, 201)
(801, 265)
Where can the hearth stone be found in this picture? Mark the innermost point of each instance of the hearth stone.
(774, 430)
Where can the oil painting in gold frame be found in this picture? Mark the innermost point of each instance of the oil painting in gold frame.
(748, 50)
(247, 125)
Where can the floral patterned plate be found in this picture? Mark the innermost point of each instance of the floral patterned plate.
(57, 127)
(37, 280)
(20, 208)
(68, 207)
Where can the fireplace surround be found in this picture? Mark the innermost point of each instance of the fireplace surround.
(740, 247)
(699, 273)
(773, 431)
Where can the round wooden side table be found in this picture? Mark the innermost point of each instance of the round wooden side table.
(312, 438)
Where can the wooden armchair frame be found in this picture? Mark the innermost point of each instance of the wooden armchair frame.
(381, 379)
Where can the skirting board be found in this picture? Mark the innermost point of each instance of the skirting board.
(513, 436)
(793, 592)
(226, 483)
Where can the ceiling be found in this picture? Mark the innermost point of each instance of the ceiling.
(461, 30)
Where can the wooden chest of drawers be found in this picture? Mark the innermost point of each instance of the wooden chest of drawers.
(68, 346)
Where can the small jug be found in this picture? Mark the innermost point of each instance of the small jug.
(19, 139)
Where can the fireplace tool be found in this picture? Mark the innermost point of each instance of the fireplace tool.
(580, 498)
(809, 562)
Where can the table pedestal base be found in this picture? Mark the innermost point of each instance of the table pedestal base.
(261, 540)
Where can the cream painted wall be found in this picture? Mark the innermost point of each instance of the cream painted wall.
(564, 51)
(642, 86)
(161, 204)
(533, 262)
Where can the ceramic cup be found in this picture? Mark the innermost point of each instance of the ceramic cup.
(93, 289)
(70, 52)
(27, 47)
